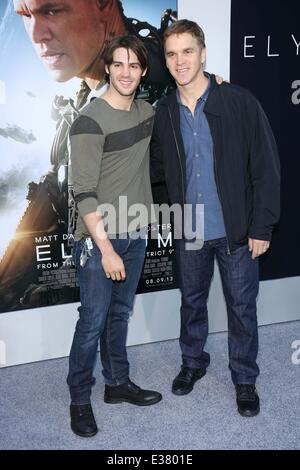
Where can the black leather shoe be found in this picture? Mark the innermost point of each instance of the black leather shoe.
(82, 420)
(184, 381)
(130, 393)
(247, 399)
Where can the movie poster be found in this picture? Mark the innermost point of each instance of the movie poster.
(37, 106)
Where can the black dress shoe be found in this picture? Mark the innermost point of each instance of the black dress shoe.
(82, 420)
(130, 393)
(247, 399)
(184, 381)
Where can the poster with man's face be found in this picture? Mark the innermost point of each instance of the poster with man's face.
(48, 48)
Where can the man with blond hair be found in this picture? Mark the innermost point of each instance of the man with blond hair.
(214, 147)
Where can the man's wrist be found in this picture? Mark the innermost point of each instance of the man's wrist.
(105, 246)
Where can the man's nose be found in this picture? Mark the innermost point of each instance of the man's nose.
(179, 59)
(38, 30)
(126, 70)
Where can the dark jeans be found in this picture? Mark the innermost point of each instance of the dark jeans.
(104, 313)
(240, 281)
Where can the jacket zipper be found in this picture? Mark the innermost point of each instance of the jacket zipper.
(220, 197)
(178, 155)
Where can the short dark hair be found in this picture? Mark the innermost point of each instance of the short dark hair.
(186, 26)
(128, 42)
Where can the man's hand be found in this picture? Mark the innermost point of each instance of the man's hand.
(111, 262)
(113, 266)
(258, 247)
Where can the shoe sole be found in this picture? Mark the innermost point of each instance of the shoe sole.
(249, 414)
(90, 434)
(114, 401)
(186, 391)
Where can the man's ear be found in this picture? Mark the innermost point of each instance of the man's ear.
(144, 72)
(203, 55)
(107, 69)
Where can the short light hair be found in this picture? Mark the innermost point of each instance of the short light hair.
(186, 26)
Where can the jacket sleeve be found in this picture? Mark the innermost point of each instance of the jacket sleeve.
(157, 173)
(264, 166)
(86, 143)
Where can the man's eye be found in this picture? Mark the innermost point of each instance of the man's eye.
(52, 12)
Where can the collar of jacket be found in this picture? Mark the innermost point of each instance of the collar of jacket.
(212, 105)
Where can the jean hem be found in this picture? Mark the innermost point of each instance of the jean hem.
(116, 382)
(193, 366)
(244, 380)
(80, 402)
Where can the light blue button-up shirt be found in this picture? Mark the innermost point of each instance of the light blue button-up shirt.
(200, 180)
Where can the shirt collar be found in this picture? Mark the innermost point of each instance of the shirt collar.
(98, 91)
(201, 98)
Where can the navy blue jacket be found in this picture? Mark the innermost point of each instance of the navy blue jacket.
(246, 161)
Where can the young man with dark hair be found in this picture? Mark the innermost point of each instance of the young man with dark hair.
(109, 159)
(214, 146)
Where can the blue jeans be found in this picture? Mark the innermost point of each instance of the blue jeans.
(103, 314)
(240, 282)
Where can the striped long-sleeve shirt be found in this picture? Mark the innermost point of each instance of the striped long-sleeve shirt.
(109, 159)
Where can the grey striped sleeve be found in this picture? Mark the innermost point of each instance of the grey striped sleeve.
(86, 140)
